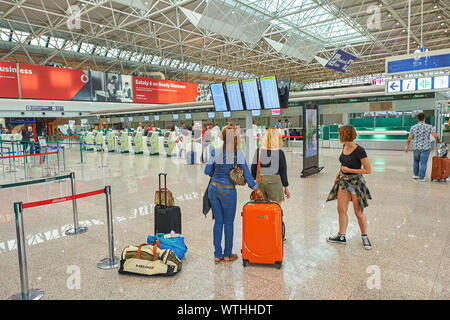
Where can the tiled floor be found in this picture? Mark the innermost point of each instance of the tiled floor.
(409, 226)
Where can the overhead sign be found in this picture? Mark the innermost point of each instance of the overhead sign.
(45, 108)
(148, 90)
(340, 61)
(418, 61)
(9, 86)
(422, 84)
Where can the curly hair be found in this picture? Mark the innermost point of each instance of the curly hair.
(347, 133)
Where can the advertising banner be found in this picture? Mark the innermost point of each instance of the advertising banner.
(9, 86)
(148, 90)
(43, 82)
(340, 61)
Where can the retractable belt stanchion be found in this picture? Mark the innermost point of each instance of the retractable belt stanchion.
(25, 293)
(112, 261)
(76, 229)
(107, 263)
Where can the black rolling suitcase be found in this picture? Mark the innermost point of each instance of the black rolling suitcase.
(167, 218)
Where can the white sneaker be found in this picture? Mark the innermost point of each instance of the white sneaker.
(422, 180)
(415, 177)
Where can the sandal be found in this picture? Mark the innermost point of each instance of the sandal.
(231, 258)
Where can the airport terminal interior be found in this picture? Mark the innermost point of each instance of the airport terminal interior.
(98, 98)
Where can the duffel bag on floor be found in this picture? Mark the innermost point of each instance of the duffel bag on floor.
(174, 243)
(149, 260)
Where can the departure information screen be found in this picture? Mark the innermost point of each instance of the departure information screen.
(218, 95)
(234, 96)
(251, 94)
(269, 90)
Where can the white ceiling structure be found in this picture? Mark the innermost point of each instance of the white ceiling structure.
(216, 40)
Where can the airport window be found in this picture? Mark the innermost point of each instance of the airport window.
(19, 36)
(56, 43)
(5, 34)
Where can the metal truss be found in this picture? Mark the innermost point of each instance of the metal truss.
(141, 36)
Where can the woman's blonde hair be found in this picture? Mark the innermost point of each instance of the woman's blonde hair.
(272, 139)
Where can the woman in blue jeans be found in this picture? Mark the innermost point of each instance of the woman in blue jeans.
(222, 193)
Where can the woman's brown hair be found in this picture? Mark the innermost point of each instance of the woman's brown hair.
(347, 133)
(234, 133)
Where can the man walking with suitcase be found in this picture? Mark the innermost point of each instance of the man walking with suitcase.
(421, 133)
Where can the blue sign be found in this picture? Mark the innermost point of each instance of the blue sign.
(340, 61)
(419, 63)
(436, 83)
(45, 108)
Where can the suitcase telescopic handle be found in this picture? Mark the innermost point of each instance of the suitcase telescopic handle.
(165, 188)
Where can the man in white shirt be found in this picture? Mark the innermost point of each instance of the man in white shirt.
(421, 133)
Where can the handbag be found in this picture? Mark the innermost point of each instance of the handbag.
(237, 173)
(163, 196)
(149, 260)
(173, 242)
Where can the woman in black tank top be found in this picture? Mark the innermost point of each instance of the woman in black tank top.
(349, 185)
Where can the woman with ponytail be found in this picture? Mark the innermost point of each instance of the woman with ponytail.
(222, 193)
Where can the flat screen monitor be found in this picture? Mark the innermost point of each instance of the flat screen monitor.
(218, 95)
(175, 117)
(188, 116)
(130, 119)
(122, 119)
(84, 121)
(284, 85)
(251, 94)
(211, 115)
(227, 114)
(146, 118)
(108, 119)
(234, 96)
(256, 113)
(275, 112)
(269, 91)
(156, 118)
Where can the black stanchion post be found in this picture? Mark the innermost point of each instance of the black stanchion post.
(76, 229)
(112, 261)
(26, 293)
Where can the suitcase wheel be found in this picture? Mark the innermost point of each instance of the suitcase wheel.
(244, 263)
(278, 264)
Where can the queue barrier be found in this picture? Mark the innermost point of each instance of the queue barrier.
(110, 262)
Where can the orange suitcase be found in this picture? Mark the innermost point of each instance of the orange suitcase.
(440, 169)
(262, 233)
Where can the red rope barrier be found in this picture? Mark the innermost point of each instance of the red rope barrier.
(63, 199)
(28, 155)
